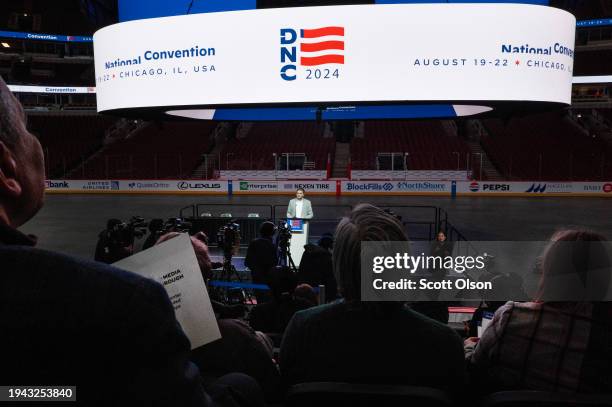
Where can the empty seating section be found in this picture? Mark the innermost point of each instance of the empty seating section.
(255, 151)
(157, 151)
(68, 139)
(592, 63)
(537, 147)
(426, 143)
(546, 147)
(593, 92)
(606, 114)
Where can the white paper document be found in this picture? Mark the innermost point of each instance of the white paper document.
(173, 264)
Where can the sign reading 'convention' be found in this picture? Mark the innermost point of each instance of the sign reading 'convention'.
(400, 53)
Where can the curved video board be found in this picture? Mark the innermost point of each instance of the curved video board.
(469, 54)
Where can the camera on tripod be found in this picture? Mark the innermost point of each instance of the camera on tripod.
(158, 227)
(117, 240)
(283, 246)
(177, 225)
(284, 234)
(228, 239)
(122, 234)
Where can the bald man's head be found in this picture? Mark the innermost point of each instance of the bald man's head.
(22, 166)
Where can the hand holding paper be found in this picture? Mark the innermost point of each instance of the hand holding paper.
(174, 265)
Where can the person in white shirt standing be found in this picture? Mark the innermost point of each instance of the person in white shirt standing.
(299, 207)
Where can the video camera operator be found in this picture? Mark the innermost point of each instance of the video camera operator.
(274, 316)
(316, 267)
(116, 242)
(156, 227)
(261, 254)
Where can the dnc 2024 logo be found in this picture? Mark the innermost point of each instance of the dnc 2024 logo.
(316, 47)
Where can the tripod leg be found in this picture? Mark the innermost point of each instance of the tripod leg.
(292, 264)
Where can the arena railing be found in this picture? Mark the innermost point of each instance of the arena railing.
(211, 217)
(422, 222)
(408, 162)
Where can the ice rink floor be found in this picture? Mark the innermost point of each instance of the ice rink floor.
(71, 223)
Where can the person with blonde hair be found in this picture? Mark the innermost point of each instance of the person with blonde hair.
(548, 344)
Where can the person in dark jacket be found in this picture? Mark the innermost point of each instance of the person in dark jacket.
(437, 310)
(261, 257)
(316, 269)
(261, 253)
(441, 247)
(369, 342)
(240, 349)
(273, 316)
(66, 321)
(156, 227)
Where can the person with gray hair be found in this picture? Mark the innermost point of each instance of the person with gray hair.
(351, 340)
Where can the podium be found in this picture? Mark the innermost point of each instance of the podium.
(299, 238)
